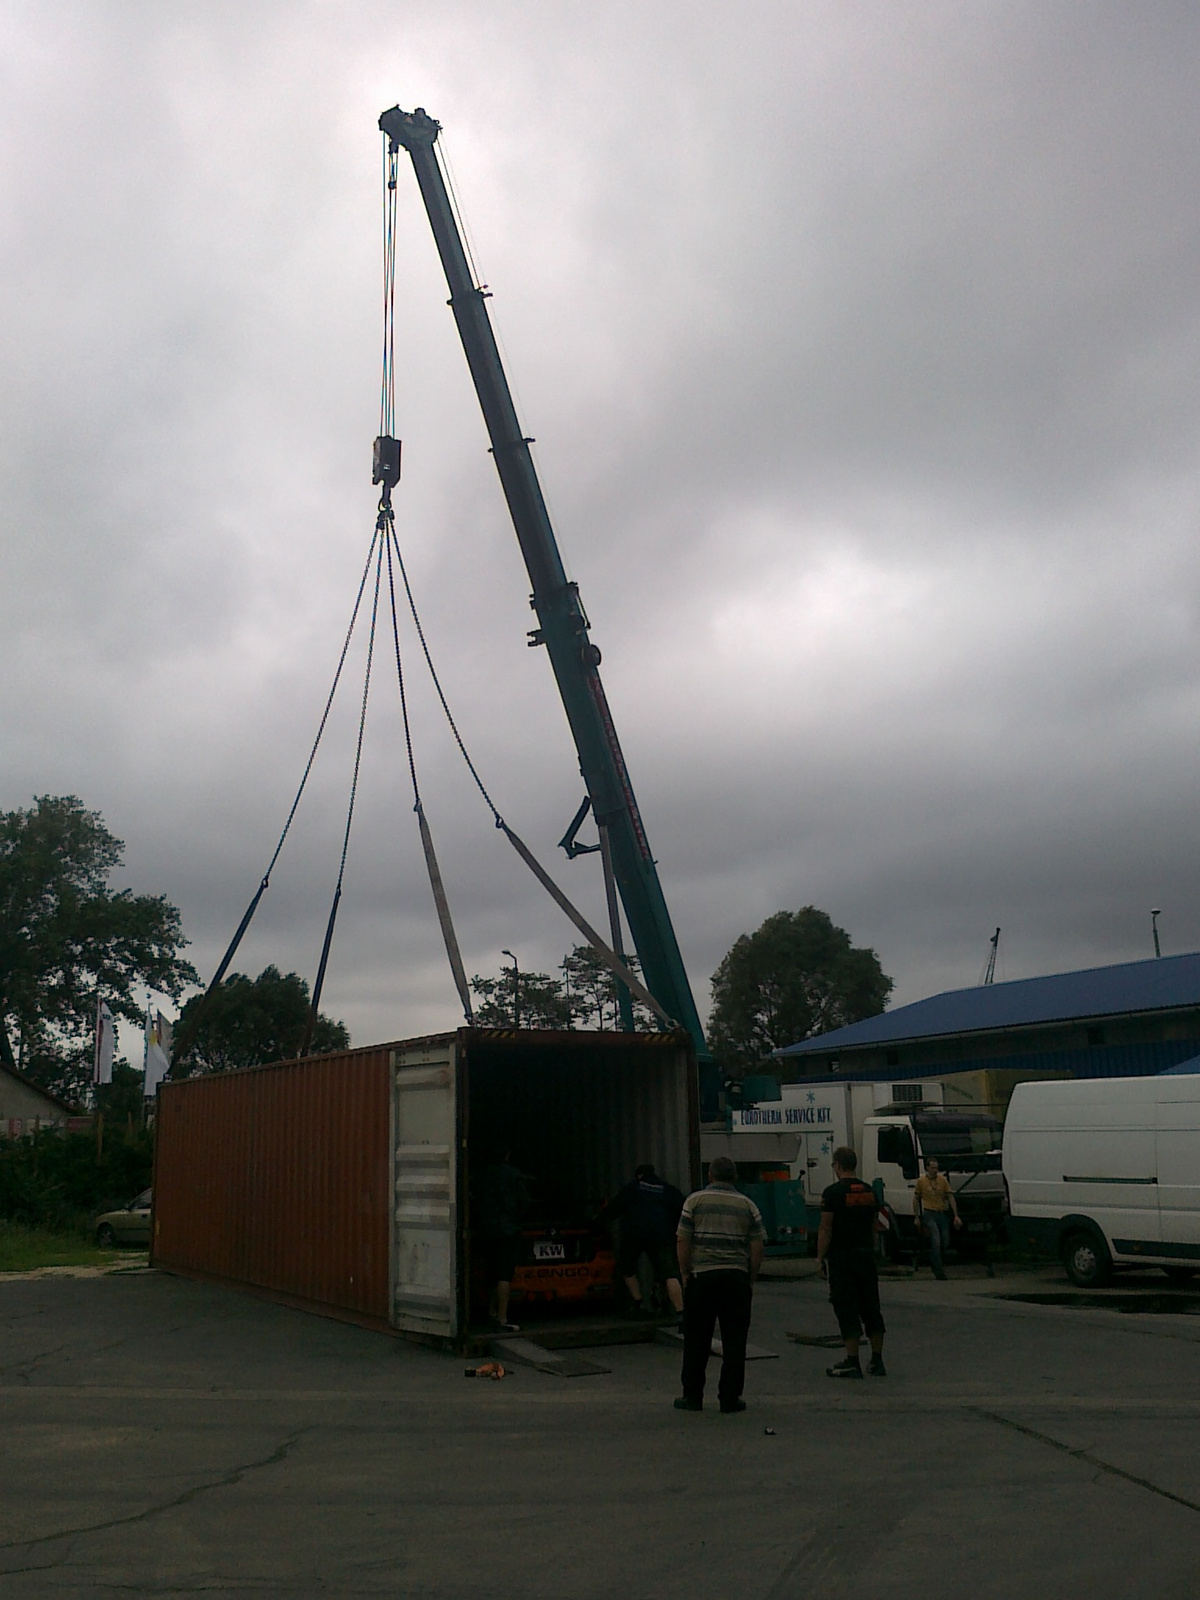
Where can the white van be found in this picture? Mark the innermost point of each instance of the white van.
(1105, 1172)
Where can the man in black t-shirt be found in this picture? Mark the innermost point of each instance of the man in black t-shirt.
(846, 1252)
(648, 1210)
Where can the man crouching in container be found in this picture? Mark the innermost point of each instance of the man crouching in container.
(647, 1210)
(846, 1252)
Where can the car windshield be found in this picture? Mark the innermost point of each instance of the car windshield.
(142, 1200)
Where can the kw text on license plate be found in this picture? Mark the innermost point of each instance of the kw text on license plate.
(548, 1250)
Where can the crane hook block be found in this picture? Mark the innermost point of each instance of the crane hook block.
(385, 462)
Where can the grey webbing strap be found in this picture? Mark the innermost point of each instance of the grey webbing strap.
(609, 957)
(449, 937)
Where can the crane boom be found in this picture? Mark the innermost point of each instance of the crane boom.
(562, 623)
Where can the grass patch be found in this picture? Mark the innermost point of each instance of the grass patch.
(22, 1248)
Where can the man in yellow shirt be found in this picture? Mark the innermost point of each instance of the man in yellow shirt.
(933, 1206)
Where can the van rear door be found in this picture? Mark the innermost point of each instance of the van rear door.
(1178, 1143)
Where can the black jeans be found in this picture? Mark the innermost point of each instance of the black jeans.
(854, 1292)
(712, 1297)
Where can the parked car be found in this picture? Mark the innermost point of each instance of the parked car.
(129, 1225)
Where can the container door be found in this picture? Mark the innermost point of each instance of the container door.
(424, 1245)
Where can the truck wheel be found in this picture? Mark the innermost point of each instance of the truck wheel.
(1180, 1274)
(1087, 1261)
(105, 1237)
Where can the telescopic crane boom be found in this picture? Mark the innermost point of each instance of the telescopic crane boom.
(562, 623)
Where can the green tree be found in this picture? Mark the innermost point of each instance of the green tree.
(121, 1100)
(56, 1180)
(797, 976)
(584, 997)
(535, 998)
(247, 1022)
(591, 985)
(67, 939)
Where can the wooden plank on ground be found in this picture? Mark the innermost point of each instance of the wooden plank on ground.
(754, 1352)
(525, 1353)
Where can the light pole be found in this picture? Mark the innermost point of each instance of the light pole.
(516, 988)
(1154, 916)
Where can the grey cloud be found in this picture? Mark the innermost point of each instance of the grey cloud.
(861, 350)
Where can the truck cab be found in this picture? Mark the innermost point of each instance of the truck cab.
(897, 1141)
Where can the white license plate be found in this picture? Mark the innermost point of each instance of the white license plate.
(548, 1250)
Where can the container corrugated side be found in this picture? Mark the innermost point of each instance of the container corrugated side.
(278, 1178)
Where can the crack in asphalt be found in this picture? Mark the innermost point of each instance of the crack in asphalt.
(280, 1453)
(1089, 1458)
(216, 1586)
(24, 1368)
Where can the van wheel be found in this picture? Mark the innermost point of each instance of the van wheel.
(1087, 1261)
(1180, 1274)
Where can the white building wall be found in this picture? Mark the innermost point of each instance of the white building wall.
(24, 1109)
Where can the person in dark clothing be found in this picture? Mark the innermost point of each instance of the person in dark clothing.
(846, 1252)
(648, 1210)
(503, 1199)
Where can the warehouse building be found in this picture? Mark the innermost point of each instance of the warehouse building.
(1124, 1021)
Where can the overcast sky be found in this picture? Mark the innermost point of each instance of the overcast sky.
(861, 344)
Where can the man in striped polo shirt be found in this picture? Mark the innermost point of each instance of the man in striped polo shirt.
(720, 1243)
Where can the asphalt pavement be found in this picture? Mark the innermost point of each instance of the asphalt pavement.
(164, 1437)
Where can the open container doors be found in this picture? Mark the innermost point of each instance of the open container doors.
(577, 1112)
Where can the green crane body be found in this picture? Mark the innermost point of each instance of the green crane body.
(562, 624)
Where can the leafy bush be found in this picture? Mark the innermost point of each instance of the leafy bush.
(54, 1180)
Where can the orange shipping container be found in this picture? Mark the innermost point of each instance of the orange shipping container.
(344, 1183)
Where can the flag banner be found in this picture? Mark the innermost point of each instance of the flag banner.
(158, 1051)
(106, 1040)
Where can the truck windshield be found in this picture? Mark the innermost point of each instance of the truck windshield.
(958, 1140)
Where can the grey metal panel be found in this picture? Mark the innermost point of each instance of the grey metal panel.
(760, 1147)
(426, 1249)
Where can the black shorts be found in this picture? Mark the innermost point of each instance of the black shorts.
(854, 1292)
(663, 1259)
(500, 1259)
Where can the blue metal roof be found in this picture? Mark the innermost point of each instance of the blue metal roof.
(1099, 1061)
(1154, 985)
